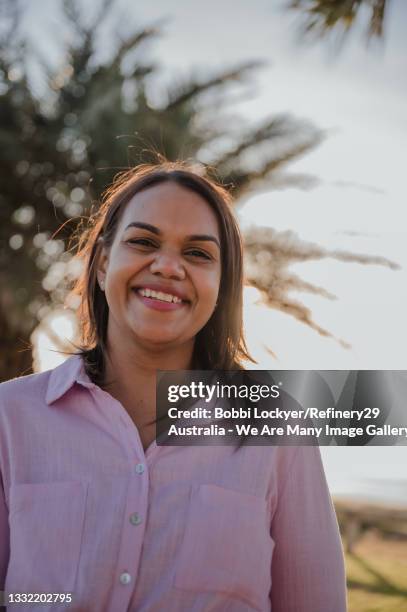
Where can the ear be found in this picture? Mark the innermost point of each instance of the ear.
(103, 261)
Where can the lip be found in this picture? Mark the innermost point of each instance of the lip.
(164, 289)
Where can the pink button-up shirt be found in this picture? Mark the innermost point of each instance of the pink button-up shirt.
(83, 509)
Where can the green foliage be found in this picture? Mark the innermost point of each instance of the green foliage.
(322, 16)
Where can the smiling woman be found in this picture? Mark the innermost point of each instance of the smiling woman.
(148, 235)
(158, 262)
(90, 504)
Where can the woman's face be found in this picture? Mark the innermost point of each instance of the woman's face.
(161, 275)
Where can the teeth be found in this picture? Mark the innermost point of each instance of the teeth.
(159, 295)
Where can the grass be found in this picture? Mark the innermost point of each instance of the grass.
(377, 574)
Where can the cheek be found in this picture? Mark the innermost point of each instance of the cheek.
(209, 289)
(121, 268)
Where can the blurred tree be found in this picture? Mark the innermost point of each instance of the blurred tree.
(61, 148)
(322, 16)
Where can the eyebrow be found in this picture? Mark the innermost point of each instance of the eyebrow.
(158, 232)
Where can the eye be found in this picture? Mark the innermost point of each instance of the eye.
(144, 242)
(147, 243)
(198, 253)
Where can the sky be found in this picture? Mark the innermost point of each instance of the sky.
(357, 94)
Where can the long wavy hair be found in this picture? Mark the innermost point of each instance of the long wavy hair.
(220, 344)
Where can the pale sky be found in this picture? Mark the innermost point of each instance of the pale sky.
(359, 96)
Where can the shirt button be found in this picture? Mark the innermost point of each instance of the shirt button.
(125, 578)
(139, 468)
(135, 518)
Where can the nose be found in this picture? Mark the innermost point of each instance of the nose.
(168, 265)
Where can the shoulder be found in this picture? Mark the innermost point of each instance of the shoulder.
(40, 389)
(27, 388)
(22, 404)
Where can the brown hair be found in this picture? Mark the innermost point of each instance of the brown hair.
(220, 344)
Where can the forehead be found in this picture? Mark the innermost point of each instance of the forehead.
(171, 207)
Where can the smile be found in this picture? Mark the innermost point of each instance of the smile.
(159, 295)
(158, 300)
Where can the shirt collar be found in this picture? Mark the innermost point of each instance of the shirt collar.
(64, 376)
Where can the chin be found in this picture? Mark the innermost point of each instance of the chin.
(156, 337)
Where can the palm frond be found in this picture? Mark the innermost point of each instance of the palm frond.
(191, 89)
(320, 17)
(269, 255)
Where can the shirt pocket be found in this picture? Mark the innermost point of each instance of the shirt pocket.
(227, 547)
(46, 524)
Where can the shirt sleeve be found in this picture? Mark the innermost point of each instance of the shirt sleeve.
(4, 539)
(308, 573)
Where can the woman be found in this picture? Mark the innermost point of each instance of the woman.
(90, 505)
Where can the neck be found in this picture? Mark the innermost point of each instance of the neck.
(130, 372)
(122, 365)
